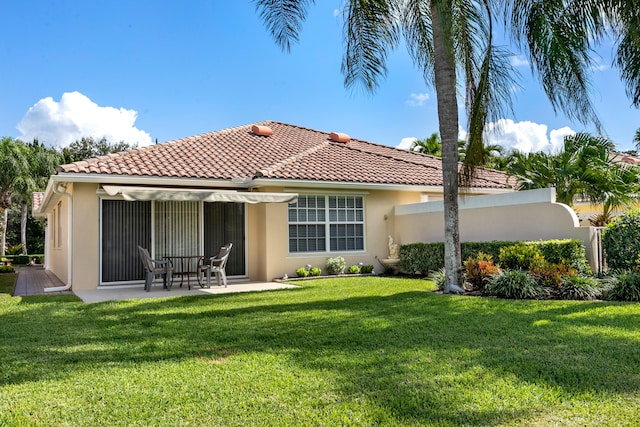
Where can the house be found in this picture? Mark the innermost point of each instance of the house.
(285, 196)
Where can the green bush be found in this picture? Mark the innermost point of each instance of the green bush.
(302, 272)
(621, 241)
(438, 277)
(366, 269)
(315, 271)
(580, 288)
(354, 269)
(20, 259)
(515, 284)
(336, 265)
(420, 258)
(519, 256)
(570, 252)
(623, 286)
(6, 269)
(14, 250)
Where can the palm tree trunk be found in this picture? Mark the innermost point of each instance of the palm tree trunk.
(445, 85)
(3, 231)
(23, 226)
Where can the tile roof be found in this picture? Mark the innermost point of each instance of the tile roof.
(290, 153)
(36, 200)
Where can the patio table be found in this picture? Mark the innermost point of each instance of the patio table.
(185, 266)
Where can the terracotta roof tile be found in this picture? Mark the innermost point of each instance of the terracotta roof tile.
(291, 152)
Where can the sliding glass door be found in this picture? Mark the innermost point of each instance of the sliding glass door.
(169, 228)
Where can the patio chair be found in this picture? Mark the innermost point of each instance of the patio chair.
(155, 267)
(217, 265)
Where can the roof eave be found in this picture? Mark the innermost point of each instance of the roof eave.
(298, 183)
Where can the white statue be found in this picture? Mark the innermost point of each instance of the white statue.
(393, 249)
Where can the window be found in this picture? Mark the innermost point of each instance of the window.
(57, 233)
(320, 222)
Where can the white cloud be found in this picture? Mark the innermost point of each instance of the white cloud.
(556, 138)
(519, 61)
(525, 136)
(405, 143)
(76, 116)
(417, 99)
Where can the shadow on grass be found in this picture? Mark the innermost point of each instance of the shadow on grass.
(410, 352)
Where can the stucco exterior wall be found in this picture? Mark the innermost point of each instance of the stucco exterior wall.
(379, 223)
(58, 244)
(86, 236)
(525, 215)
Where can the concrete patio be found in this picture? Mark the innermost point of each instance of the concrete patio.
(34, 280)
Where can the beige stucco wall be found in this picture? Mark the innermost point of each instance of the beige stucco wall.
(525, 215)
(86, 235)
(276, 261)
(58, 226)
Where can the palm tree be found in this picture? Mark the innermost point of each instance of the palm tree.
(451, 42)
(584, 168)
(430, 145)
(13, 167)
(41, 165)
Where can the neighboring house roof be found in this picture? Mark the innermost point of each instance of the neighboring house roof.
(285, 152)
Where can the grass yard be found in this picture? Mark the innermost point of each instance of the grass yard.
(352, 351)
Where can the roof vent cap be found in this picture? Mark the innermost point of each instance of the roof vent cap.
(261, 130)
(339, 137)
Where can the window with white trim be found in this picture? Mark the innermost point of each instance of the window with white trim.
(319, 223)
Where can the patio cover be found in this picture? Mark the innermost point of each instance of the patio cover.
(132, 193)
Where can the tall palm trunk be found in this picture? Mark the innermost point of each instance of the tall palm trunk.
(3, 231)
(445, 86)
(23, 226)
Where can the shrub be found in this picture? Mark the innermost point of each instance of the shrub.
(479, 269)
(621, 240)
(420, 258)
(302, 272)
(519, 256)
(14, 250)
(623, 287)
(366, 269)
(6, 269)
(315, 271)
(580, 287)
(20, 259)
(336, 265)
(569, 252)
(438, 277)
(551, 275)
(354, 269)
(515, 284)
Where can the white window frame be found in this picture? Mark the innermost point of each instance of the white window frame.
(328, 222)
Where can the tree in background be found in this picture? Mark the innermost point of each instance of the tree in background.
(42, 162)
(88, 148)
(14, 166)
(585, 168)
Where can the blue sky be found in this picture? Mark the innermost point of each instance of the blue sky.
(146, 70)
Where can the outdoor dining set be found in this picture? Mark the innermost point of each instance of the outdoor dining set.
(185, 266)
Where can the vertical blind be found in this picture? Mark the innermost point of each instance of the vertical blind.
(125, 225)
(177, 230)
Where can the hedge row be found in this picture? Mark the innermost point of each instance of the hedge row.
(25, 259)
(422, 258)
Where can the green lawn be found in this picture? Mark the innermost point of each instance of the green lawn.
(355, 351)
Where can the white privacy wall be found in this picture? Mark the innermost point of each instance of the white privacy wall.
(521, 215)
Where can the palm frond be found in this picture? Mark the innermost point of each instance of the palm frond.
(371, 32)
(284, 19)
